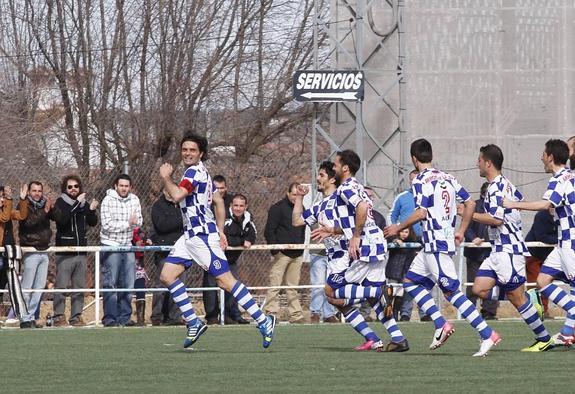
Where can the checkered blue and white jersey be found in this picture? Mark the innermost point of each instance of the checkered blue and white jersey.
(324, 213)
(349, 195)
(561, 194)
(508, 237)
(198, 217)
(438, 193)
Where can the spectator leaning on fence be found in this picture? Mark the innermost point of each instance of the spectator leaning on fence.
(72, 216)
(240, 231)
(35, 231)
(168, 226)
(7, 214)
(121, 212)
(286, 266)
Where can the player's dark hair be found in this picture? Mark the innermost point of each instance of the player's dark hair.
(241, 197)
(64, 183)
(559, 149)
(125, 177)
(202, 143)
(492, 153)
(483, 190)
(421, 150)
(327, 166)
(350, 159)
(219, 179)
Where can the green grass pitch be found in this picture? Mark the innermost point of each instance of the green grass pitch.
(303, 358)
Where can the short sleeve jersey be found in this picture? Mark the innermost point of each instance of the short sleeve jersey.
(324, 213)
(349, 195)
(198, 217)
(438, 193)
(508, 237)
(561, 194)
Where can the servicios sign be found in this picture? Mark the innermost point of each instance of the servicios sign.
(338, 85)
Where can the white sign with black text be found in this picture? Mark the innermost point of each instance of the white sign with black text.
(337, 85)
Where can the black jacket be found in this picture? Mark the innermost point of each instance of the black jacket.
(71, 218)
(279, 229)
(544, 229)
(399, 261)
(167, 221)
(35, 229)
(477, 230)
(238, 230)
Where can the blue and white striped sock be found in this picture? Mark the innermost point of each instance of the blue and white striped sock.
(470, 313)
(559, 297)
(246, 301)
(356, 320)
(180, 296)
(358, 291)
(569, 326)
(529, 314)
(389, 323)
(425, 302)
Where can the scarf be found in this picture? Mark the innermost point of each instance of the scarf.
(37, 204)
(68, 200)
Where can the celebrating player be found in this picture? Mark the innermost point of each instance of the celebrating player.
(323, 212)
(503, 272)
(435, 194)
(560, 264)
(203, 241)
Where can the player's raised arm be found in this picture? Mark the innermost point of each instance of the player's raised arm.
(296, 219)
(177, 193)
(220, 212)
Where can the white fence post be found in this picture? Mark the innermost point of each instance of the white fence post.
(97, 288)
(222, 306)
(460, 274)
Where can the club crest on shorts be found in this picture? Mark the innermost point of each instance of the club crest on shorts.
(217, 264)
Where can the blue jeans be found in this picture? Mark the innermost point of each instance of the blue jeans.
(318, 274)
(118, 272)
(34, 277)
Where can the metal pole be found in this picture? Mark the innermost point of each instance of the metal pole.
(402, 97)
(97, 286)
(222, 306)
(460, 276)
(359, 129)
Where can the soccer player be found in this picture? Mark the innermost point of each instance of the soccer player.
(560, 264)
(323, 212)
(435, 194)
(203, 241)
(503, 272)
(364, 277)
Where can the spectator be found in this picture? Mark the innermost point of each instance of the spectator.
(220, 184)
(7, 214)
(121, 212)
(240, 231)
(72, 216)
(478, 233)
(168, 226)
(286, 266)
(139, 238)
(35, 231)
(544, 229)
(398, 263)
(403, 206)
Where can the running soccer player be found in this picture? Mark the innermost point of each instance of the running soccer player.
(323, 212)
(364, 276)
(435, 193)
(502, 273)
(203, 241)
(560, 264)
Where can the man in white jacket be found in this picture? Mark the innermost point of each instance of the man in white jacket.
(121, 212)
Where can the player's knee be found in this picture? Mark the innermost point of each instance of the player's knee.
(166, 278)
(328, 291)
(225, 282)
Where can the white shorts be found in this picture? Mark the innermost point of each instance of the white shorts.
(507, 269)
(427, 269)
(357, 272)
(204, 250)
(560, 264)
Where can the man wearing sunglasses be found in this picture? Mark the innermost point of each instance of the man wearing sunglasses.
(72, 214)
